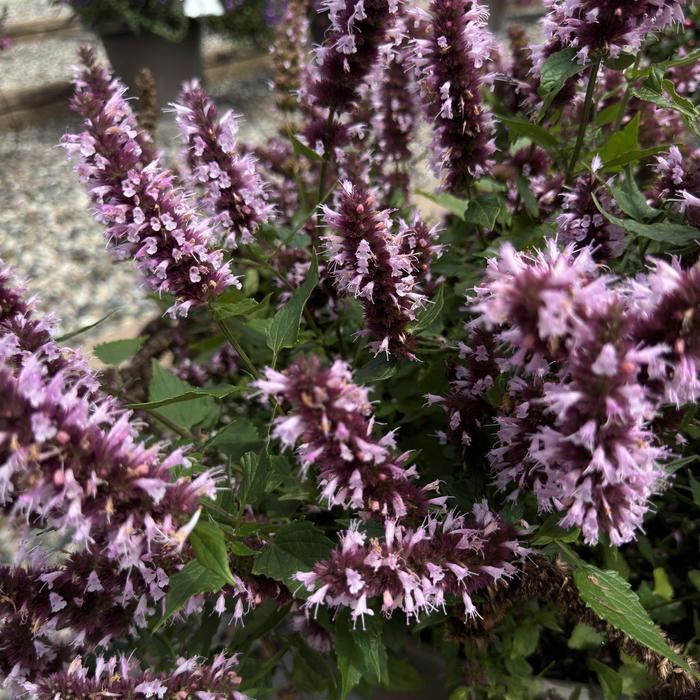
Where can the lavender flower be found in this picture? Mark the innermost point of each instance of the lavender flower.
(236, 196)
(358, 27)
(531, 298)
(368, 264)
(583, 224)
(146, 217)
(421, 243)
(679, 181)
(415, 570)
(289, 54)
(608, 26)
(331, 422)
(121, 677)
(394, 112)
(449, 64)
(667, 302)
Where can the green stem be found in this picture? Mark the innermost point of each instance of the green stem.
(268, 666)
(326, 160)
(585, 117)
(237, 347)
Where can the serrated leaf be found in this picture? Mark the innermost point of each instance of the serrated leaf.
(584, 636)
(483, 210)
(555, 71)
(550, 532)
(610, 681)
(301, 149)
(192, 579)
(170, 393)
(284, 327)
(527, 195)
(611, 598)
(616, 164)
(430, 313)
(209, 545)
(255, 474)
(664, 231)
(295, 547)
(116, 351)
(447, 201)
(631, 199)
(236, 438)
(624, 60)
(219, 392)
(362, 649)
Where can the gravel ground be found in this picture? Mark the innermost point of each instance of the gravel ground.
(46, 230)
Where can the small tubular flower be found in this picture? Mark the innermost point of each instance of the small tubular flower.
(236, 197)
(368, 263)
(415, 570)
(330, 420)
(357, 29)
(679, 182)
(667, 302)
(120, 677)
(449, 65)
(146, 217)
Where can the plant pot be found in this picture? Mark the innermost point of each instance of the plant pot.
(171, 63)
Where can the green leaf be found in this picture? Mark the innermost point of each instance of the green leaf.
(430, 313)
(362, 649)
(694, 576)
(168, 390)
(616, 164)
(695, 489)
(664, 231)
(584, 636)
(117, 351)
(556, 70)
(235, 438)
(403, 676)
(295, 547)
(483, 210)
(447, 201)
(612, 599)
(550, 532)
(528, 197)
(631, 200)
(624, 60)
(207, 540)
(219, 392)
(84, 329)
(610, 681)
(662, 584)
(376, 370)
(535, 133)
(284, 327)
(236, 308)
(301, 149)
(191, 580)
(255, 474)
(622, 142)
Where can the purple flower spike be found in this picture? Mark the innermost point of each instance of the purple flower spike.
(415, 570)
(449, 64)
(119, 677)
(369, 264)
(358, 28)
(236, 197)
(146, 217)
(331, 422)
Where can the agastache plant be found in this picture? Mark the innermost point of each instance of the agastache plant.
(145, 215)
(236, 197)
(460, 407)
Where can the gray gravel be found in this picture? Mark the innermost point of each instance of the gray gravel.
(46, 230)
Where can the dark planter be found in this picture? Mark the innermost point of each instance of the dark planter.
(171, 63)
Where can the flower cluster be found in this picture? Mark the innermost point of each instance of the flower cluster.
(120, 677)
(582, 222)
(449, 64)
(146, 217)
(369, 264)
(358, 28)
(235, 194)
(609, 27)
(416, 570)
(331, 422)
(595, 357)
